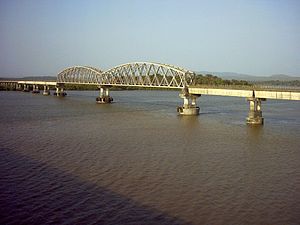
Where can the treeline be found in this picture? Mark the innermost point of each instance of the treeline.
(210, 79)
(81, 87)
(291, 83)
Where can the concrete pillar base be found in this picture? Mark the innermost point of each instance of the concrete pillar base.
(255, 121)
(104, 100)
(35, 89)
(255, 113)
(60, 94)
(189, 107)
(46, 93)
(19, 87)
(255, 118)
(26, 88)
(104, 97)
(46, 90)
(60, 91)
(188, 111)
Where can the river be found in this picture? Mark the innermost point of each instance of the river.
(72, 161)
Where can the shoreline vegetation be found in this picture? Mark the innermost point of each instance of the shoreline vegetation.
(200, 80)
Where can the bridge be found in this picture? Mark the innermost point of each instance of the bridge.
(152, 75)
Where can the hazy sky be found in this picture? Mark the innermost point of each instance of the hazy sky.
(42, 37)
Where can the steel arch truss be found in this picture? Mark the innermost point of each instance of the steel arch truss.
(146, 74)
(79, 75)
(142, 74)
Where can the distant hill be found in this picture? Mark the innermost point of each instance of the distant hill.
(283, 77)
(247, 77)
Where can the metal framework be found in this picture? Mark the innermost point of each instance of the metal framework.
(142, 74)
(146, 74)
(79, 75)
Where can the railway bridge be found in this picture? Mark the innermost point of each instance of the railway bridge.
(156, 76)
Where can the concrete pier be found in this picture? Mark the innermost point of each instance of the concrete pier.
(35, 89)
(60, 90)
(255, 113)
(189, 107)
(46, 90)
(19, 87)
(26, 88)
(104, 96)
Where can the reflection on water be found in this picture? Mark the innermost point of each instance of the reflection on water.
(189, 122)
(69, 160)
(255, 132)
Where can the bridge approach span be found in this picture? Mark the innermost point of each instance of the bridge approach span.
(262, 94)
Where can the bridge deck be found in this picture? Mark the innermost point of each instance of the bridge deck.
(268, 94)
(274, 94)
(50, 83)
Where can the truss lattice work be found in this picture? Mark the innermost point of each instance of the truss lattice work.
(142, 74)
(79, 75)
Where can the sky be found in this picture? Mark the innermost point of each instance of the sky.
(257, 37)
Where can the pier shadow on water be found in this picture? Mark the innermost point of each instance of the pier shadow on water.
(31, 192)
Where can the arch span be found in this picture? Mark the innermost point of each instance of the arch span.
(79, 75)
(145, 74)
(142, 74)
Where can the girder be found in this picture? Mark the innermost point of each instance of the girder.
(142, 74)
